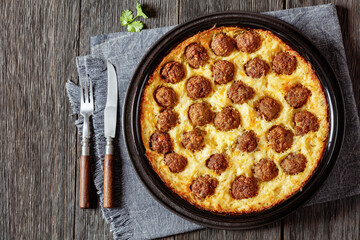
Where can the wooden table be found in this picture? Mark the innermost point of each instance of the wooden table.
(39, 175)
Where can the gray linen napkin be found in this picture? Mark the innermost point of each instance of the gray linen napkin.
(140, 216)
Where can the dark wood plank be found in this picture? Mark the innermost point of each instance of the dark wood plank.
(334, 220)
(38, 43)
(348, 12)
(161, 13)
(99, 17)
(271, 232)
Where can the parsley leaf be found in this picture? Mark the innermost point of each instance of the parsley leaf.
(135, 26)
(127, 19)
(139, 11)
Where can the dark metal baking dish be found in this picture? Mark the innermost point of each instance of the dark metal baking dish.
(136, 150)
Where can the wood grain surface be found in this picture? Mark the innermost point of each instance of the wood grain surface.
(108, 201)
(40, 147)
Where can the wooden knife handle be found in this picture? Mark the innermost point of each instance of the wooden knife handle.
(85, 182)
(108, 181)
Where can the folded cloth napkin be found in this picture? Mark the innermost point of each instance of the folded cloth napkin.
(139, 215)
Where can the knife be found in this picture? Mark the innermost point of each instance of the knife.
(110, 115)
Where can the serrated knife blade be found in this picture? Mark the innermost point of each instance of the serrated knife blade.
(110, 115)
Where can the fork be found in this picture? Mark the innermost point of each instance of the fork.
(86, 110)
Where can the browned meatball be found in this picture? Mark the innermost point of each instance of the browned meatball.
(305, 122)
(266, 170)
(223, 72)
(167, 119)
(175, 162)
(240, 93)
(173, 72)
(279, 138)
(227, 119)
(247, 142)
(256, 68)
(268, 108)
(294, 163)
(222, 45)
(284, 63)
(204, 186)
(244, 187)
(217, 162)
(166, 97)
(200, 113)
(248, 41)
(160, 142)
(196, 55)
(198, 87)
(297, 96)
(193, 140)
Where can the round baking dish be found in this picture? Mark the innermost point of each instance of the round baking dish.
(136, 150)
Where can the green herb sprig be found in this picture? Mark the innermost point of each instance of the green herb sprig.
(127, 19)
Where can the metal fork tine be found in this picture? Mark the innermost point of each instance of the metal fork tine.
(86, 92)
(82, 91)
(91, 93)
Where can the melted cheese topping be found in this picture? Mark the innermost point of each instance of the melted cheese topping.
(239, 163)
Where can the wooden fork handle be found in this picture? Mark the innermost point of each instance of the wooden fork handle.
(85, 181)
(108, 201)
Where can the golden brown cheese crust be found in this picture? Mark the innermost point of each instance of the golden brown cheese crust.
(274, 85)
